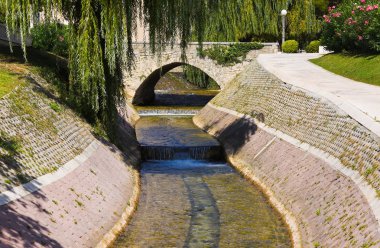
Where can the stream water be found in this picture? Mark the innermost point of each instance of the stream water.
(190, 197)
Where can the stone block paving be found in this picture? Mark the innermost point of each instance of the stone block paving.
(76, 211)
(48, 139)
(306, 117)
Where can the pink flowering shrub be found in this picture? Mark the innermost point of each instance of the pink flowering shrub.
(352, 26)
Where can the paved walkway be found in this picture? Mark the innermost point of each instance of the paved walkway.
(361, 101)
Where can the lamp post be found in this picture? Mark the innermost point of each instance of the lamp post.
(283, 14)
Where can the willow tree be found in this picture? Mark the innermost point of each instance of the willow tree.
(101, 33)
(259, 18)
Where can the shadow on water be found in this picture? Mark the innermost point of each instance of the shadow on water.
(188, 100)
(204, 229)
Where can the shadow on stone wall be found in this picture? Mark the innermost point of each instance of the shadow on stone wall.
(16, 228)
(145, 93)
(126, 137)
(236, 134)
(9, 161)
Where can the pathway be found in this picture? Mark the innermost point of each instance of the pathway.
(361, 101)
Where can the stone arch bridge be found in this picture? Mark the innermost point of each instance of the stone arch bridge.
(140, 82)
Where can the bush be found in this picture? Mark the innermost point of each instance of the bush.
(313, 47)
(352, 26)
(232, 54)
(290, 46)
(51, 37)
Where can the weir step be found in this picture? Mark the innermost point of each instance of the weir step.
(152, 153)
(167, 112)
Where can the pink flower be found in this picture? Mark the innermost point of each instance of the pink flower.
(350, 21)
(362, 1)
(369, 8)
(327, 18)
(360, 37)
(376, 6)
(366, 22)
(361, 8)
(338, 14)
(353, 12)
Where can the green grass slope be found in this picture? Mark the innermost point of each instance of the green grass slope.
(362, 68)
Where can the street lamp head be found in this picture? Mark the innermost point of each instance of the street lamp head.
(284, 12)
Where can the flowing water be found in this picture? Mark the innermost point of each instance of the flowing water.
(192, 198)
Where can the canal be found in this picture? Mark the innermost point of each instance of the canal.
(190, 196)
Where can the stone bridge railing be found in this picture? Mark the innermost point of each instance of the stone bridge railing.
(15, 38)
(140, 82)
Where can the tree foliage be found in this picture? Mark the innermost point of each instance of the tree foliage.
(232, 54)
(50, 37)
(101, 32)
(197, 77)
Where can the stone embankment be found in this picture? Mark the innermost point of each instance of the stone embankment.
(42, 135)
(319, 166)
(59, 185)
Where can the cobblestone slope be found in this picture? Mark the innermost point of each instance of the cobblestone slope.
(305, 117)
(38, 135)
(330, 208)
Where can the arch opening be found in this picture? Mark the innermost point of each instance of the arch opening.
(176, 84)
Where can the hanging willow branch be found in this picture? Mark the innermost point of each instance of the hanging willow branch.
(101, 33)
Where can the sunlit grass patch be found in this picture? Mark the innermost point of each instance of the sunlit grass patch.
(363, 68)
(8, 80)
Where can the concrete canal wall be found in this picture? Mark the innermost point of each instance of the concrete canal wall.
(318, 165)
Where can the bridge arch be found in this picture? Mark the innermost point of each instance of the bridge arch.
(145, 92)
(139, 83)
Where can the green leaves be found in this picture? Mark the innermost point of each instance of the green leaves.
(230, 55)
(51, 37)
(87, 71)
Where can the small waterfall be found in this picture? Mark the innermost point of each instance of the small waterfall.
(182, 153)
(159, 112)
(157, 153)
(206, 153)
